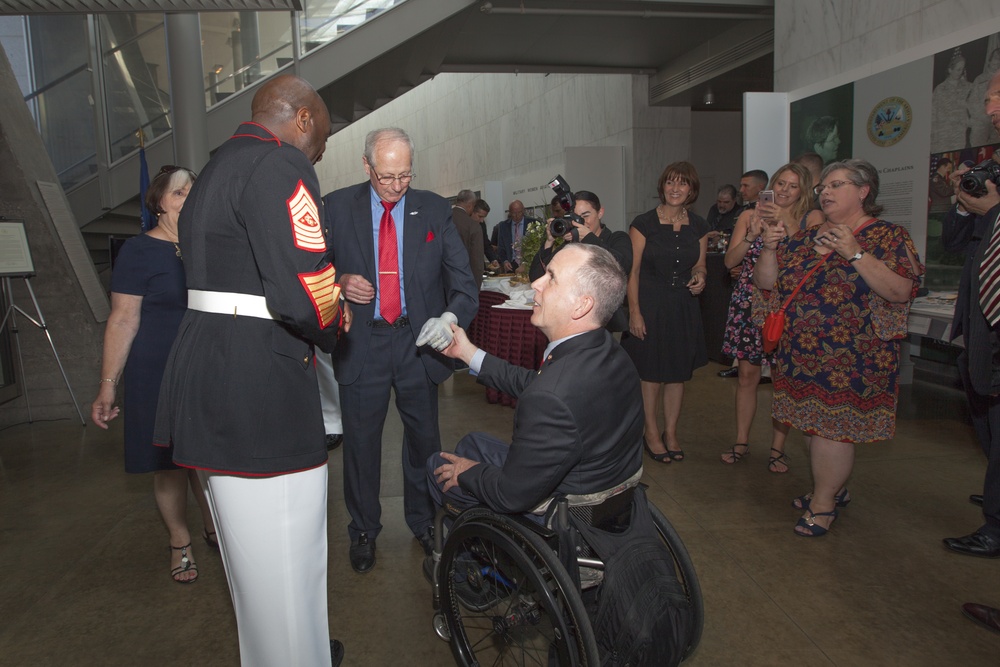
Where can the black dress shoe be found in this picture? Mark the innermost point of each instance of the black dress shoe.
(336, 653)
(988, 617)
(363, 554)
(729, 372)
(976, 499)
(976, 544)
(333, 440)
(426, 540)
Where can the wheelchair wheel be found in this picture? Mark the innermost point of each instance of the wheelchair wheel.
(507, 599)
(685, 572)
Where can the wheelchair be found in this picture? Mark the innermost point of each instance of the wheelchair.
(511, 590)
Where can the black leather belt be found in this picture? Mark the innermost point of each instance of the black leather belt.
(398, 324)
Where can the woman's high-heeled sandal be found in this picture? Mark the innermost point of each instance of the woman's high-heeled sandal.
(809, 523)
(842, 499)
(186, 565)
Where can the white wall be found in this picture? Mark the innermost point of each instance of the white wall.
(472, 128)
(819, 45)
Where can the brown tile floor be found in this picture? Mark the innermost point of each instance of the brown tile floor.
(85, 566)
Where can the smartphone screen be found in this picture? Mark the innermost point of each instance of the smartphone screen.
(766, 197)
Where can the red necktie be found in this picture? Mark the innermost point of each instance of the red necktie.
(388, 266)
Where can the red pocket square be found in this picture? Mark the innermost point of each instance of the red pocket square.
(430, 237)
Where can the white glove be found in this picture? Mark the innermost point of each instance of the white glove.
(436, 331)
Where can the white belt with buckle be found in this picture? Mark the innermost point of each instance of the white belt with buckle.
(229, 303)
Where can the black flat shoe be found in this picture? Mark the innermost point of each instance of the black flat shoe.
(976, 499)
(426, 540)
(362, 554)
(336, 653)
(729, 372)
(987, 617)
(977, 544)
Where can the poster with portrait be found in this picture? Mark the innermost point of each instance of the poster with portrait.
(823, 124)
(961, 76)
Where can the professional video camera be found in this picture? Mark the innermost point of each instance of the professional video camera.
(564, 225)
(974, 181)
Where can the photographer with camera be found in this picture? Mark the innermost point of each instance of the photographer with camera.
(972, 226)
(584, 226)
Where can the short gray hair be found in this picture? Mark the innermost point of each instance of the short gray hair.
(861, 173)
(465, 196)
(385, 134)
(601, 278)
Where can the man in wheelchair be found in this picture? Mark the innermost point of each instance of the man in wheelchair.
(509, 591)
(578, 424)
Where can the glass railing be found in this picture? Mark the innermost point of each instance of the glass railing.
(240, 48)
(136, 84)
(322, 21)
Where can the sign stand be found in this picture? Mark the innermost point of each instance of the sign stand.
(15, 262)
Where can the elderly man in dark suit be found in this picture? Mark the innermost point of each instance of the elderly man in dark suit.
(507, 236)
(973, 224)
(403, 268)
(564, 441)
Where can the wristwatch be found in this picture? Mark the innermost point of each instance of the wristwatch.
(856, 256)
(749, 240)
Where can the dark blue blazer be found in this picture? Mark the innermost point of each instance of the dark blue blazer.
(982, 342)
(436, 274)
(505, 239)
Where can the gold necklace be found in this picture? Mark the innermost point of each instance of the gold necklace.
(661, 211)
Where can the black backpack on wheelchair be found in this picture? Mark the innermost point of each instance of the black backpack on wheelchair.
(640, 612)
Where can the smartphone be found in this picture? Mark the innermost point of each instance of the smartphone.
(765, 197)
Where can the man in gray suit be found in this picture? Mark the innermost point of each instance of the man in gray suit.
(403, 268)
(470, 231)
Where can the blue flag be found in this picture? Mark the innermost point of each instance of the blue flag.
(148, 220)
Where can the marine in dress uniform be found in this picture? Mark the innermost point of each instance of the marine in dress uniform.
(239, 397)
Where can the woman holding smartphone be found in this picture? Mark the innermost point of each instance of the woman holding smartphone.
(787, 202)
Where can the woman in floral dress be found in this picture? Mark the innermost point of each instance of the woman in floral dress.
(793, 198)
(837, 364)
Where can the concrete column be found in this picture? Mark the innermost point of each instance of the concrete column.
(187, 90)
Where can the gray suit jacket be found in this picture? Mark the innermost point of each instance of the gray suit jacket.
(472, 238)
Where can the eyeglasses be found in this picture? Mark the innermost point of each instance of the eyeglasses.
(836, 185)
(404, 179)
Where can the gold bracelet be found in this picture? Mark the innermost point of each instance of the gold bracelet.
(114, 382)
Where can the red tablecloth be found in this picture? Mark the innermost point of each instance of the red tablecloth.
(507, 334)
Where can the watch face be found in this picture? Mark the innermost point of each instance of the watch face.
(889, 121)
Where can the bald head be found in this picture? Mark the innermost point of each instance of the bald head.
(291, 108)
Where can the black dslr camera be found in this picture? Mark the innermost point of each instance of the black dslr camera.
(564, 225)
(974, 181)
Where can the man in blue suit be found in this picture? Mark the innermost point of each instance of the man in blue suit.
(507, 236)
(403, 268)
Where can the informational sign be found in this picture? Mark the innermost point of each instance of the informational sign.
(15, 256)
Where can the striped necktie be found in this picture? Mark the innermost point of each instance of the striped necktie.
(989, 277)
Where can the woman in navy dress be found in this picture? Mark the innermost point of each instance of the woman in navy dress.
(665, 338)
(148, 300)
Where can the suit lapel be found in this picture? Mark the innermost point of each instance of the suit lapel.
(414, 234)
(362, 216)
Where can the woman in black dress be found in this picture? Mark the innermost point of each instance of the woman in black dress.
(665, 340)
(148, 300)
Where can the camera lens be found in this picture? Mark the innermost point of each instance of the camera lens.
(560, 226)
